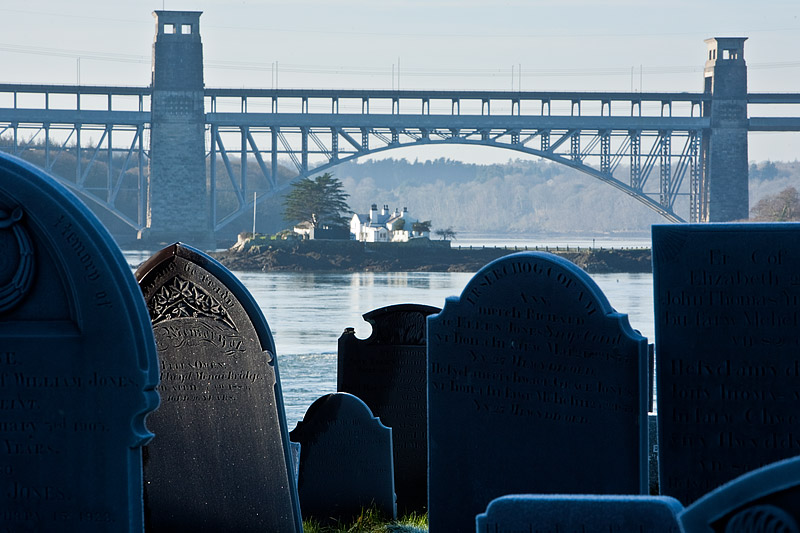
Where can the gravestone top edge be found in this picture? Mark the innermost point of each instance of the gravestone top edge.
(452, 303)
(225, 276)
(754, 485)
(319, 405)
(510, 499)
(726, 226)
(114, 266)
(557, 261)
(376, 316)
(372, 316)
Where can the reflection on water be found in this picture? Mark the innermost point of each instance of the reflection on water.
(307, 312)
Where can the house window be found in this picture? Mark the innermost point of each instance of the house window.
(169, 28)
(186, 29)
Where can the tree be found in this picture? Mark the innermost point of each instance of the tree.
(446, 234)
(781, 207)
(421, 227)
(320, 201)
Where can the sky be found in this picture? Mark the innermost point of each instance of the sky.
(585, 45)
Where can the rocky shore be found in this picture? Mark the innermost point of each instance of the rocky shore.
(264, 255)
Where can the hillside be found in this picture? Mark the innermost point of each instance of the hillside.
(519, 196)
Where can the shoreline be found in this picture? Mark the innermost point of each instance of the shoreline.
(262, 255)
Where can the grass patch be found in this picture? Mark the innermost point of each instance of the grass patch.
(372, 521)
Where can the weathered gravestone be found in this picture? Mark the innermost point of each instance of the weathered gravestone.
(78, 364)
(535, 385)
(766, 500)
(221, 459)
(580, 513)
(345, 460)
(727, 302)
(388, 372)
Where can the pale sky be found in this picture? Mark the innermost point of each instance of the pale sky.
(616, 45)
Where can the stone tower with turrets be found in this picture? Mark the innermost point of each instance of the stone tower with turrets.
(178, 196)
(725, 176)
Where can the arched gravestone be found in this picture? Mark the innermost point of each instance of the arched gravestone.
(221, 459)
(78, 364)
(727, 311)
(766, 500)
(345, 460)
(535, 385)
(388, 371)
(519, 513)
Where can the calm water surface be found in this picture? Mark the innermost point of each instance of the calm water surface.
(307, 313)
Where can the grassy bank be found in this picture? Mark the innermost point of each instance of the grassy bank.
(371, 521)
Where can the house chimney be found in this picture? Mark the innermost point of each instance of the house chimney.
(373, 213)
(385, 209)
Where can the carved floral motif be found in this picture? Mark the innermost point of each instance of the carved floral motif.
(12, 292)
(184, 299)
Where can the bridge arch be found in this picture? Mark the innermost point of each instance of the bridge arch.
(577, 164)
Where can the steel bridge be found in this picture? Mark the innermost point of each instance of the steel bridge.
(647, 145)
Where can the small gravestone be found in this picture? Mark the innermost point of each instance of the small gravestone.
(221, 459)
(345, 460)
(727, 310)
(388, 372)
(535, 385)
(78, 364)
(573, 513)
(766, 500)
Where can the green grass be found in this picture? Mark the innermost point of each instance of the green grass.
(372, 521)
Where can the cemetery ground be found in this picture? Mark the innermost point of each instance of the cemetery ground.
(265, 254)
(371, 521)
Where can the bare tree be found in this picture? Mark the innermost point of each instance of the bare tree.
(781, 207)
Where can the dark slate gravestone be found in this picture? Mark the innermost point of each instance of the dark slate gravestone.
(535, 385)
(78, 364)
(766, 500)
(388, 372)
(727, 302)
(221, 459)
(584, 513)
(345, 460)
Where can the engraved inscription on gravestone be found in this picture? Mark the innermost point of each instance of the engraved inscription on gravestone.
(388, 371)
(532, 356)
(220, 459)
(727, 303)
(345, 460)
(78, 364)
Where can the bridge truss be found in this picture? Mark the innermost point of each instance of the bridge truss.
(654, 139)
(96, 139)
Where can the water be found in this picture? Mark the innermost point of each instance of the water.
(307, 312)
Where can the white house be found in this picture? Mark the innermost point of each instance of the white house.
(383, 226)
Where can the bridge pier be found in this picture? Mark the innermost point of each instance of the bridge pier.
(724, 194)
(178, 196)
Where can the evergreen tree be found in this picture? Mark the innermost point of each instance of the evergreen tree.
(320, 201)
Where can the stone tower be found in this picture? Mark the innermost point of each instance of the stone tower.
(178, 198)
(724, 192)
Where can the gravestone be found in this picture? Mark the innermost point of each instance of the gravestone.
(388, 372)
(766, 500)
(221, 459)
(584, 513)
(727, 310)
(535, 385)
(345, 460)
(78, 364)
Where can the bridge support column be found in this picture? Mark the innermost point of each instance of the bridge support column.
(725, 177)
(178, 202)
